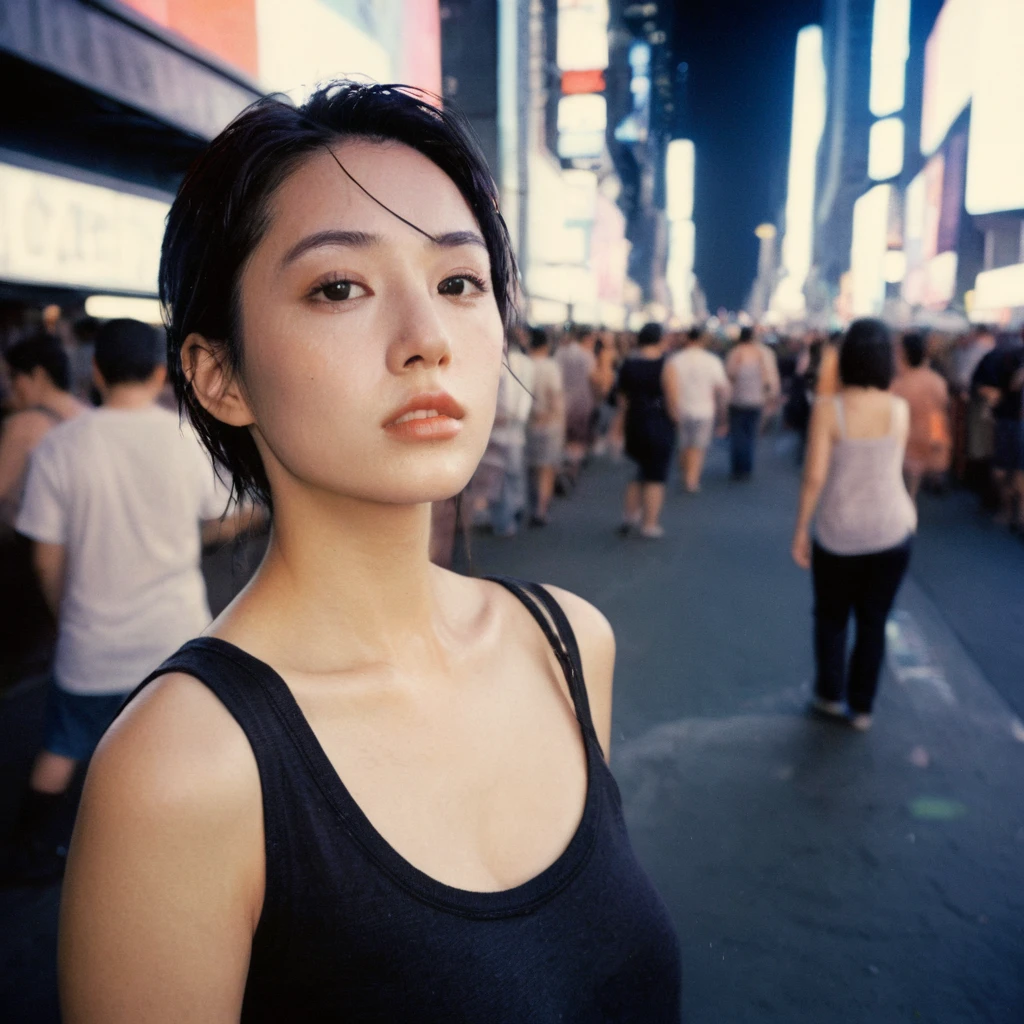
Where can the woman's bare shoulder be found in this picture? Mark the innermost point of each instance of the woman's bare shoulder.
(176, 746)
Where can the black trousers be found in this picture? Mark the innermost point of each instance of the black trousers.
(865, 585)
(744, 423)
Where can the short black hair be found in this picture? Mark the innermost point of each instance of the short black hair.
(650, 334)
(865, 356)
(127, 351)
(694, 334)
(221, 213)
(43, 350)
(913, 348)
(538, 337)
(746, 333)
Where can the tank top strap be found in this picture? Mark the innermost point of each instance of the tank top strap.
(837, 403)
(555, 626)
(240, 683)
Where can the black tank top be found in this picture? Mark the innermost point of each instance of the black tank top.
(350, 931)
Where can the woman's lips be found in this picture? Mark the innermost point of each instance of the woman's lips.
(434, 416)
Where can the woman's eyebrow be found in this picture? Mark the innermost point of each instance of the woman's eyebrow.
(364, 239)
(453, 239)
(333, 238)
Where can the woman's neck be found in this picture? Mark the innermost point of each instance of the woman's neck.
(343, 580)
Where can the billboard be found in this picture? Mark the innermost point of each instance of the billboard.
(226, 29)
(995, 162)
(949, 70)
(890, 47)
(885, 149)
(868, 249)
(59, 231)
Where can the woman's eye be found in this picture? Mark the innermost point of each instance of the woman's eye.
(463, 284)
(339, 291)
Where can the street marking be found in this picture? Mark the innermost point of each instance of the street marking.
(936, 808)
(910, 659)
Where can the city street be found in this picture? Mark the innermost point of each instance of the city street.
(814, 874)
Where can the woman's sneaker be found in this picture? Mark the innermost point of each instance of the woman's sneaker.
(652, 532)
(860, 722)
(828, 708)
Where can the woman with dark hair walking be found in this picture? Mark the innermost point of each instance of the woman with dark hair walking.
(863, 519)
(650, 433)
(375, 790)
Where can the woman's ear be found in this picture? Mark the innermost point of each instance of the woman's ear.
(215, 386)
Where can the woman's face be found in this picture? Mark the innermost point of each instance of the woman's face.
(351, 319)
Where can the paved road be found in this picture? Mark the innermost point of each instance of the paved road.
(814, 874)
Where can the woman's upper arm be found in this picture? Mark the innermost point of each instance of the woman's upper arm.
(164, 879)
(819, 442)
(597, 652)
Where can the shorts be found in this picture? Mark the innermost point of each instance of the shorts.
(544, 447)
(578, 425)
(1006, 453)
(76, 722)
(695, 433)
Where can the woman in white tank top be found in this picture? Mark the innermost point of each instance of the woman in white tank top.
(863, 521)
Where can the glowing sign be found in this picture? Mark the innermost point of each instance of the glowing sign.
(949, 70)
(582, 35)
(679, 172)
(885, 149)
(808, 124)
(58, 231)
(995, 155)
(1001, 288)
(867, 253)
(584, 113)
(890, 47)
(305, 42)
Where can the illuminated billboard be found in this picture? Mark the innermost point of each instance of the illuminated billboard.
(867, 252)
(949, 70)
(995, 162)
(679, 171)
(58, 231)
(226, 28)
(582, 35)
(885, 149)
(808, 124)
(890, 47)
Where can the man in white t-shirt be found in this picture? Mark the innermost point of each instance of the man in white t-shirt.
(698, 393)
(113, 501)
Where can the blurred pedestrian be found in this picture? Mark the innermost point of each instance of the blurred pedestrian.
(515, 398)
(375, 789)
(40, 376)
(698, 394)
(927, 395)
(754, 376)
(607, 368)
(545, 429)
(575, 356)
(997, 382)
(113, 504)
(649, 431)
(863, 520)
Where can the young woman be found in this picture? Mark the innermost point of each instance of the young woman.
(375, 790)
(650, 433)
(864, 520)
